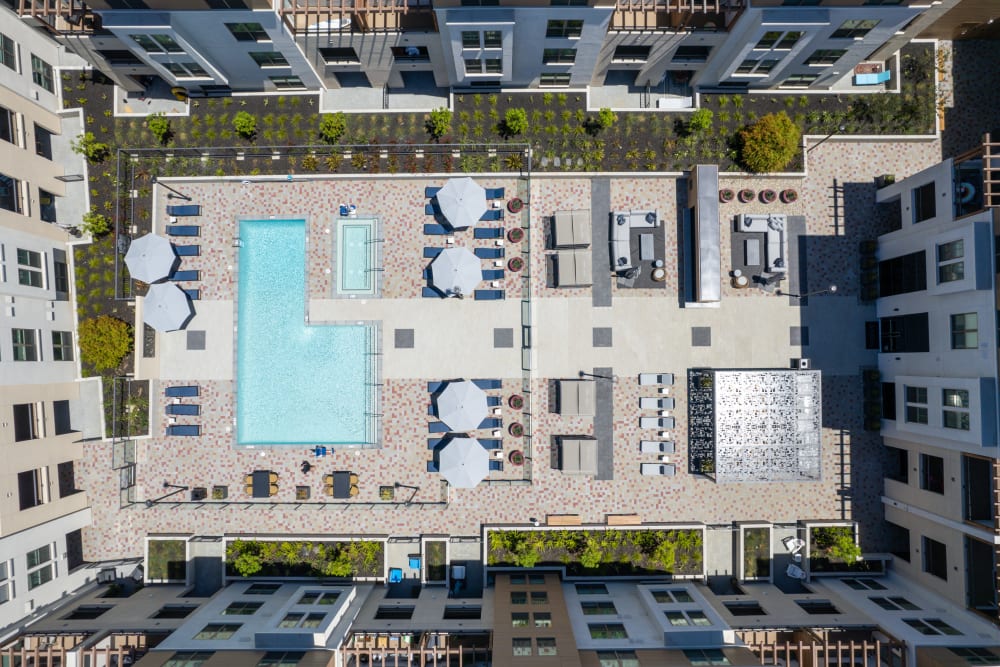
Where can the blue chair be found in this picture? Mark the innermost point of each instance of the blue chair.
(193, 294)
(395, 575)
(436, 230)
(489, 253)
(489, 295)
(431, 293)
(434, 387)
(488, 232)
(493, 401)
(191, 276)
(430, 192)
(437, 427)
(183, 409)
(496, 465)
(185, 391)
(430, 253)
(432, 467)
(434, 442)
(184, 429)
(414, 562)
(486, 385)
(493, 274)
(490, 422)
(431, 209)
(492, 214)
(494, 193)
(187, 250)
(491, 443)
(184, 230)
(184, 210)
(319, 451)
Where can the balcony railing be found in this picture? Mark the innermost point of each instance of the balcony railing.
(61, 16)
(675, 15)
(333, 16)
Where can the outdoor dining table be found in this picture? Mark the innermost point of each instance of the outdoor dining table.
(342, 484)
(261, 484)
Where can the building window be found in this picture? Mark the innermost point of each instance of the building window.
(758, 67)
(543, 619)
(39, 556)
(607, 631)
(854, 28)
(747, 66)
(60, 270)
(188, 658)
(281, 659)
(157, 43)
(316, 597)
(494, 66)
(521, 646)
(630, 53)
(470, 612)
(675, 595)
(269, 58)
(33, 488)
(242, 608)
(120, 57)
(341, 55)
(41, 73)
(470, 39)
(956, 408)
(561, 28)
(817, 607)
(706, 657)
(25, 346)
(29, 268)
(62, 346)
(824, 57)
(766, 66)
(42, 575)
(894, 604)
(536, 579)
(492, 39)
(591, 589)
(903, 274)
(46, 204)
(617, 659)
(776, 39)
(951, 261)
(518, 597)
(8, 126)
(916, 405)
(39, 566)
(935, 558)
(897, 464)
(748, 608)
(174, 611)
(546, 646)
(799, 80)
(553, 80)
(975, 655)
(10, 194)
(395, 612)
(291, 620)
(932, 473)
(262, 589)
(8, 52)
(412, 54)
(287, 82)
(965, 331)
(931, 626)
(314, 620)
(905, 333)
(924, 202)
(218, 631)
(863, 584)
(559, 56)
(473, 66)
(539, 597)
(519, 619)
(248, 32)
(25, 424)
(599, 608)
(187, 70)
(691, 54)
(86, 612)
(5, 582)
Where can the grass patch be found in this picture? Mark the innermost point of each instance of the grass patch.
(167, 560)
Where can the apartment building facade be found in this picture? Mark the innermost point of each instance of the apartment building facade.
(938, 363)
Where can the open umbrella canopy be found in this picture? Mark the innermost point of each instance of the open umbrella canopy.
(456, 271)
(166, 307)
(150, 258)
(462, 406)
(462, 201)
(464, 462)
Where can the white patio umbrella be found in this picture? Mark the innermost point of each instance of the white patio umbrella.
(464, 462)
(456, 271)
(462, 201)
(150, 258)
(166, 307)
(462, 406)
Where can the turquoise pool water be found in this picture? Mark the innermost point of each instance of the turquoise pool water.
(295, 384)
(355, 256)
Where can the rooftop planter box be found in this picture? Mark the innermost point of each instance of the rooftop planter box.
(166, 560)
(356, 559)
(832, 548)
(754, 563)
(600, 551)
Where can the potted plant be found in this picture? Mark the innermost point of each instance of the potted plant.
(516, 429)
(515, 235)
(726, 195)
(515, 205)
(515, 264)
(220, 492)
(746, 195)
(884, 180)
(516, 401)
(768, 196)
(386, 492)
(516, 458)
(789, 196)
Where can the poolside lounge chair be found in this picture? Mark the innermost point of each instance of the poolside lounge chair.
(496, 466)
(488, 232)
(432, 466)
(183, 409)
(490, 253)
(319, 451)
(656, 404)
(395, 575)
(184, 209)
(656, 447)
(435, 387)
(664, 469)
(184, 429)
(434, 442)
(492, 214)
(494, 193)
(490, 422)
(656, 422)
(430, 253)
(490, 295)
(437, 427)
(431, 293)
(432, 410)
(430, 192)
(186, 250)
(184, 391)
(493, 401)
(655, 378)
(436, 230)
(486, 385)
(193, 294)
(432, 209)
(189, 276)
(493, 274)
(184, 230)
(491, 443)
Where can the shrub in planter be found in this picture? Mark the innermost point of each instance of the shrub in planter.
(104, 342)
(726, 195)
(94, 223)
(516, 429)
(700, 120)
(332, 127)
(789, 196)
(769, 144)
(89, 147)
(515, 235)
(245, 125)
(515, 122)
(515, 264)
(747, 195)
(516, 458)
(159, 125)
(516, 401)
(768, 196)
(438, 123)
(515, 205)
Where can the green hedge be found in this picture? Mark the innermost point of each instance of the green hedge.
(305, 559)
(583, 552)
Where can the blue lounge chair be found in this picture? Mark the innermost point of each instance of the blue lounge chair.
(426, 274)
(434, 387)
(184, 230)
(184, 210)
(192, 276)
(489, 253)
(432, 410)
(184, 429)
(432, 467)
(193, 294)
(491, 443)
(319, 451)
(494, 193)
(489, 295)
(486, 385)
(186, 391)
(431, 293)
(490, 422)
(434, 442)
(430, 192)
(183, 409)
(437, 427)
(492, 214)
(488, 232)
(187, 250)
(431, 209)
(430, 253)
(493, 274)
(496, 465)
(436, 230)
(493, 401)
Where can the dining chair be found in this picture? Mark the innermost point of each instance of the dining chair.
(354, 491)
(328, 490)
(274, 489)
(328, 480)
(354, 479)
(248, 480)
(249, 489)
(273, 477)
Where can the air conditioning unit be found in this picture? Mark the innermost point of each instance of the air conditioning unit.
(801, 364)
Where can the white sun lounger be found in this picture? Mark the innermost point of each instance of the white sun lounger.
(656, 404)
(665, 469)
(656, 447)
(656, 422)
(656, 378)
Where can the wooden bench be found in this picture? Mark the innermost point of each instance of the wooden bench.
(562, 520)
(624, 520)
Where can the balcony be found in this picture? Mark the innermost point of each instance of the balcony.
(675, 15)
(61, 16)
(968, 179)
(325, 17)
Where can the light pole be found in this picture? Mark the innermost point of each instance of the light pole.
(832, 289)
(840, 128)
(173, 192)
(177, 488)
(613, 378)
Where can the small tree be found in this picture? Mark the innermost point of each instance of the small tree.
(606, 118)
(515, 122)
(94, 223)
(104, 342)
(88, 146)
(439, 123)
(332, 127)
(700, 120)
(769, 144)
(159, 125)
(245, 125)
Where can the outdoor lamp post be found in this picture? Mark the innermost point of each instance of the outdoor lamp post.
(173, 192)
(832, 289)
(613, 378)
(840, 128)
(177, 488)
